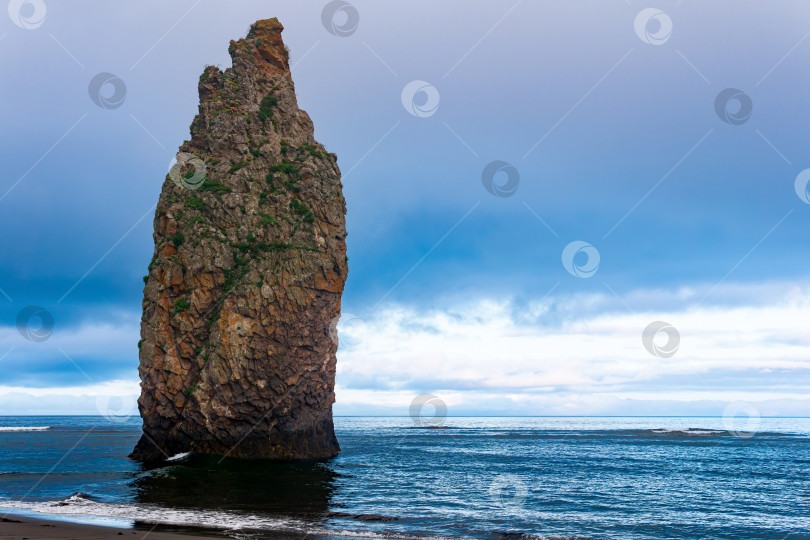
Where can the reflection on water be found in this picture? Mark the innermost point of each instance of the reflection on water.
(295, 489)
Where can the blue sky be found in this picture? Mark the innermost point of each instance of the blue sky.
(616, 142)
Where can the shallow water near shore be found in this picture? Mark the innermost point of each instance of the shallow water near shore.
(477, 478)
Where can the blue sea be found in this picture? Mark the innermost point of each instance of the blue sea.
(488, 478)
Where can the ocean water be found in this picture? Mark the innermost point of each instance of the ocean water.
(489, 478)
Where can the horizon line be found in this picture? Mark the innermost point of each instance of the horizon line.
(448, 416)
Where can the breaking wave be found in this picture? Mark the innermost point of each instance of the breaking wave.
(81, 504)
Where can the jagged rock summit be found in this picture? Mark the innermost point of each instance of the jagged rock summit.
(237, 356)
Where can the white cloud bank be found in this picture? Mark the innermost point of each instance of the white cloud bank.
(116, 400)
(562, 355)
(584, 355)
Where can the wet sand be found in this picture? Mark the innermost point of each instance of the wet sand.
(25, 528)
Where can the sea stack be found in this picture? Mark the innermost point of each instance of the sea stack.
(237, 356)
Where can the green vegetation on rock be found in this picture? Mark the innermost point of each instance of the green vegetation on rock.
(302, 210)
(180, 306)
(195, 203)
(177, 239)
(266, 106)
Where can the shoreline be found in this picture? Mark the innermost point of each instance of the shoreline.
(19, 527)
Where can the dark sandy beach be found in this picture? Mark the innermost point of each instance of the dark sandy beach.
(22, 528)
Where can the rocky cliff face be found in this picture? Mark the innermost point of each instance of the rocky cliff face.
(237, 355)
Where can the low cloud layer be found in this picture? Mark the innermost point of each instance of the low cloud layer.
(585, 355)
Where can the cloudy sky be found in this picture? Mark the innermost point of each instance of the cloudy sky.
(530, 185)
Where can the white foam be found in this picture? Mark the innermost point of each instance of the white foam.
(178, 457)
(691, 431)
(24, 428)
(79, 504)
